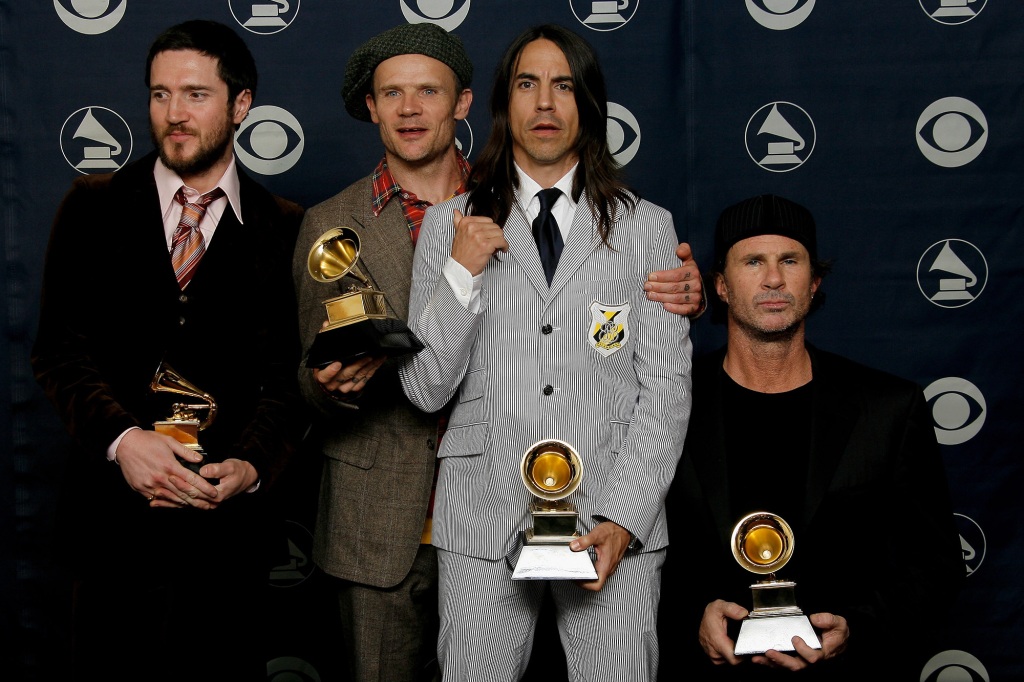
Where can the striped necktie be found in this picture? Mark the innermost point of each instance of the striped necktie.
(188, 244)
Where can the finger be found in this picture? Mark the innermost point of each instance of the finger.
(457, 218)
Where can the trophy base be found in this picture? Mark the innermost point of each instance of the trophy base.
(374, 336)
(186, 432)
(759, 634)
(553, 562)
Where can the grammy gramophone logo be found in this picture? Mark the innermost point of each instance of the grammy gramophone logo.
(358, 322)
(763, 543)
(552, 470)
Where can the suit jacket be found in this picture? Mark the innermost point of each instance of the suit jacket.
(112, 311)
(379, 464)
(526, 367)
(877, 544)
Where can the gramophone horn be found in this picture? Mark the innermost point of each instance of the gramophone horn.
(167, 380)
(762, 542)
(334, 255)
(551, 469)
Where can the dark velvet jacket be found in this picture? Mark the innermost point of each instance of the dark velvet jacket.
(112, 311)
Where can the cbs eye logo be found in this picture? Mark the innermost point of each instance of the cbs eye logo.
(90, 17)
(779, 15)
(954, 665)
(269, 141)
(623, 132)
(448, 14)
(464, 137)
(958, 409)
(291, 669)
(951, 132)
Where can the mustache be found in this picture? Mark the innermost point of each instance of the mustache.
(176, 128)
(775, 297)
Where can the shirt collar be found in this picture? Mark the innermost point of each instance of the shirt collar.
(385, 186)
(168, 183)
(528, 187)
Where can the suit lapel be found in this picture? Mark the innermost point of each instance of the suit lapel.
(523, 248)
(708, 447)
(580, 243)
(834, 416)
(386, 251)
(136, 184)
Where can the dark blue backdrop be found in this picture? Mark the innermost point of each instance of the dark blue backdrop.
(899, 124)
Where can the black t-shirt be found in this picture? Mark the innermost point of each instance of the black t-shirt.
(768, 440)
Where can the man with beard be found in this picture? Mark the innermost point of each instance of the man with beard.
(373, 527)
(844, 454)
(179, 261)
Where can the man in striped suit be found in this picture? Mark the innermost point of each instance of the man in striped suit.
(516, 335)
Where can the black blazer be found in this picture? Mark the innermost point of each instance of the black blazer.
(878, 544)
(111, 311)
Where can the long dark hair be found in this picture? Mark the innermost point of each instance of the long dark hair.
(493, 180)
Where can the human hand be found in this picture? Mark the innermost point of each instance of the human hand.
(834, 634)
(148, 462)
(233, 476)
(713, 633)
(477, 238)
(350, 378)
(610, 541)
(681, 290)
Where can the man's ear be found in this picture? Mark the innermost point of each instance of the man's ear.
(463, 103)
(371, 104)
(240, 107)
(720, 288)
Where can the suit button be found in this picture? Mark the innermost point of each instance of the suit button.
(183, 298)
(546, 329)
(548, 390)
(181, 321)
(430, 444)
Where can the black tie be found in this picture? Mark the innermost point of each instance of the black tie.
(546, 232)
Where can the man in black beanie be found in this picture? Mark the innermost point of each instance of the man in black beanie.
(844, 455)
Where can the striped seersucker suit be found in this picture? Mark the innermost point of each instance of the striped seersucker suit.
(525, 368)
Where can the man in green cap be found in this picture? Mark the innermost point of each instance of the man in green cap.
(374, 520)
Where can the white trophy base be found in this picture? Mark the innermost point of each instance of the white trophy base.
(553, 562)
(758, 635)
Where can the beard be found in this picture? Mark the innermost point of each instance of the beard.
(770, 329)
(212, 146)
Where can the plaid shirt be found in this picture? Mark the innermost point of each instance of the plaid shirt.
(385, 187)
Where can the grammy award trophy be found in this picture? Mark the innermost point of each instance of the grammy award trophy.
(762, 543)
(357, 321)
(552, 470)
(184, 424)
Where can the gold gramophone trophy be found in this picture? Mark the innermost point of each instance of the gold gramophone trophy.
(552, 470)
(184, 424)
(357, 321)
(762, 543)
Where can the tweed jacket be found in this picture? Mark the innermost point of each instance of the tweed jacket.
(533, 364)
(379, 450)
